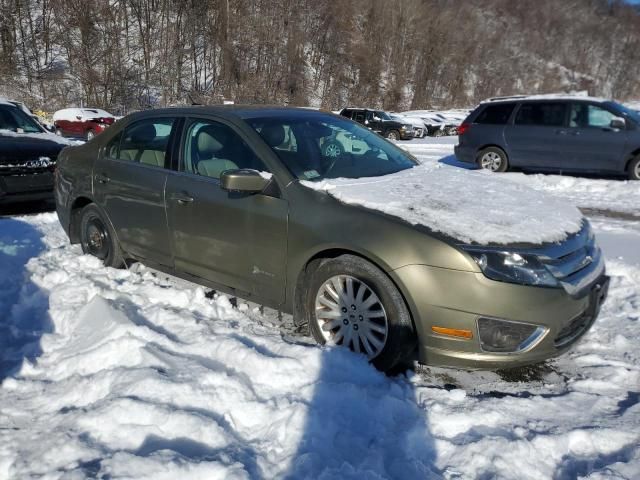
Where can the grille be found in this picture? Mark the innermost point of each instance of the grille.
(576, 263)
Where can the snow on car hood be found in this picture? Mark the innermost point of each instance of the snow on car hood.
(471, 206)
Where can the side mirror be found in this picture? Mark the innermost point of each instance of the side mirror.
(243, 180)
(618, 124)
(78, 117)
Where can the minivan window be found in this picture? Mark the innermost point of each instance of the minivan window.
(146, 141)
(211, 148)
(496, 114)
(584, 115)
(542, 114)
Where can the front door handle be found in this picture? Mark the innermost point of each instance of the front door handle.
(182, 198)
(102, 178)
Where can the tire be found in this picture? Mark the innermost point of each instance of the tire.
(493, 159)
(386, 337)
(332, 149)
(98, 238)
(393, 135)
(59, 132)
(633, 170)
(89, 135)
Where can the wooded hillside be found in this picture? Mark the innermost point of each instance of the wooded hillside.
(397, 54)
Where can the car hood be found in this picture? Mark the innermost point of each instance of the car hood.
(470, 206)
(27, 146)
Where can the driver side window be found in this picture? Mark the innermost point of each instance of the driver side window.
(211, 148)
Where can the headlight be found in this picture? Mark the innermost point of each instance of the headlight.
(504, 336)
(512, 267)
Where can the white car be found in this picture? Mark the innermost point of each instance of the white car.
(419, 127)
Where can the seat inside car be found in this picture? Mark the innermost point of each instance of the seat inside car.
(210, 143)
(138, 147)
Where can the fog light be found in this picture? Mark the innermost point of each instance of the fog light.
(503, 336)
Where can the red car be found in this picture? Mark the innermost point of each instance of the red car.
(81, 122)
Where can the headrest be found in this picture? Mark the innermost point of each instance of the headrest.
(209, 138)
(144, 133)
(273, 134)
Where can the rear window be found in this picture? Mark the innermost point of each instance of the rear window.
(542, 114)
(496, 114)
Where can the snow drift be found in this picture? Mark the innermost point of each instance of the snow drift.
(473, 207)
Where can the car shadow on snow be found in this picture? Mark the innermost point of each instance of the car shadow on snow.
(361, 423)
(24, 316)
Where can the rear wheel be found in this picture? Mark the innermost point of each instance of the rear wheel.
(98, 238)
(493, 159)
(634, 169)
(352, 303)
(393, 135)
(332, 149)
(89, 135)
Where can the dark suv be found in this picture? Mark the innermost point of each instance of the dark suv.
(380, 122)
(554, 133)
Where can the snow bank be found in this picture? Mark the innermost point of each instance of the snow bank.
(467, 205)
(143, 376)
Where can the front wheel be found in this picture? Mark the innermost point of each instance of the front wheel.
(493, 159)
(98, 238)
(393, 135)
(634, 169)
(353, 304)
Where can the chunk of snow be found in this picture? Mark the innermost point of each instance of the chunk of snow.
(470, 206)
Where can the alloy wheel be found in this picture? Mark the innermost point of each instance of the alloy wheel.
(332, 150)
(491, 161)
(349, 313)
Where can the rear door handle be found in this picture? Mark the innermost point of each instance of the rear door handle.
(182, 198)
(102, 178)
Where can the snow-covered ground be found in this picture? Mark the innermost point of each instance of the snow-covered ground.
(132, 374)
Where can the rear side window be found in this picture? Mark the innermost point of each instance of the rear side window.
(145, 142)
(496, 114)
(542, 114)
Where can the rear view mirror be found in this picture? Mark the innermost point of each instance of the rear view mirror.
(618, 123)
(243, 180)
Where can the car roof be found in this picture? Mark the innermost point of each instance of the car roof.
(548, 96)
(244, 112)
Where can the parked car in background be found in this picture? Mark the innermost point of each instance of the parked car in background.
(235, 198)
(83, 123)
(552, 133)
(419, 128)
(28, 156)
(380, 122)
(436, 123)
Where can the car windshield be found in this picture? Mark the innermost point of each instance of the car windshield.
(15, 120)
(383, 115)
(319, 146)
(627, 112)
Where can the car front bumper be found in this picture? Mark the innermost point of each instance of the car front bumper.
(457, 299)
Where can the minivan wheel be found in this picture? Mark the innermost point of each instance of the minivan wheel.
(97, 237)
(493, 159)
(352, 303)
(393, 135)
(634, 168)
